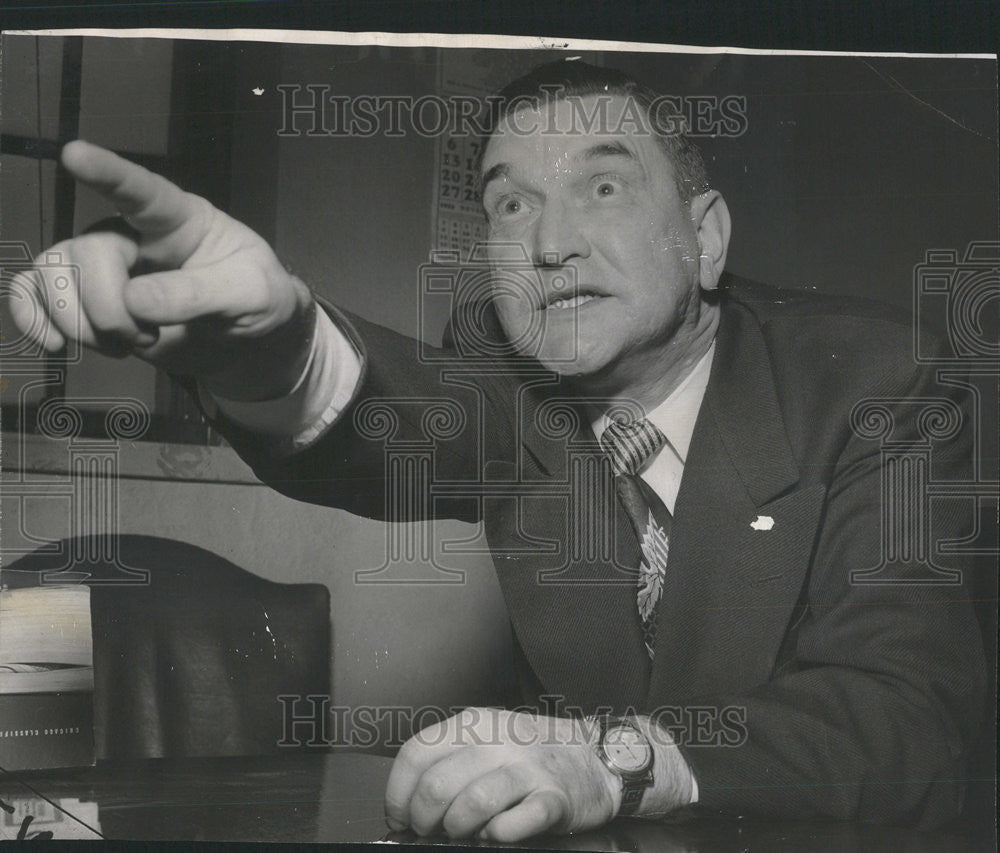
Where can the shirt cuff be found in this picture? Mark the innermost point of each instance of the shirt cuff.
(324, 389)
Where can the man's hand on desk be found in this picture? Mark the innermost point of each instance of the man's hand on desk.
(504, 776)
(182, 285)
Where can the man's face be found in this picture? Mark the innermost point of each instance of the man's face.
(600, 216)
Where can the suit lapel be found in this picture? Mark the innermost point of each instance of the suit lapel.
(572, 607)
(731, 584)
(742, 533)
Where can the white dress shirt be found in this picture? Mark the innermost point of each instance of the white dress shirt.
(323, 391)
(675, 418)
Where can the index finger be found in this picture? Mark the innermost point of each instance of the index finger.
(151, 203)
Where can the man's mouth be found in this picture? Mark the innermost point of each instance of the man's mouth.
(564, 303)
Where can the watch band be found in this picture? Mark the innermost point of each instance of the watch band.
(632, 792)
(633, 784)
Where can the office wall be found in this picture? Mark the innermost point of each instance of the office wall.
(391, 645)
(354, 214)
(850, 168)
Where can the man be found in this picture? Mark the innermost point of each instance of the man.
(740, 503)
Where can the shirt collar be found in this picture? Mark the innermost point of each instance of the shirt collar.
(675, 417)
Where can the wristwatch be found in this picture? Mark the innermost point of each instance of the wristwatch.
(627, 753)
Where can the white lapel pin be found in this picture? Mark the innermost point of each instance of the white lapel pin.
(762, 522)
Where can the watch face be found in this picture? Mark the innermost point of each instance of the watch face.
(627, 749)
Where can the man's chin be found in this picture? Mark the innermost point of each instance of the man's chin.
(560, 341)
(572, 364)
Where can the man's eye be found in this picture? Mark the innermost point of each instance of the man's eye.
(606, 188)
(509, 207)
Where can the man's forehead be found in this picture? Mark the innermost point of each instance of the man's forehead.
(568, 132)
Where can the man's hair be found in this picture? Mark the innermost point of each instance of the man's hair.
(564, 78)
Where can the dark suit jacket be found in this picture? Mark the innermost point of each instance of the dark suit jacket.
(824, 697)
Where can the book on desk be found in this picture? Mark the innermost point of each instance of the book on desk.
(46, 678)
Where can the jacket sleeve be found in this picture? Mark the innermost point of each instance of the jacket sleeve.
(408, 423)
(871, 714)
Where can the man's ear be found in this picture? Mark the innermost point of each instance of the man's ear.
(710, 216)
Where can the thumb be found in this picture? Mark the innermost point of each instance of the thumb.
(223, 289)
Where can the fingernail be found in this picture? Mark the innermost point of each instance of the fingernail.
(394, 824)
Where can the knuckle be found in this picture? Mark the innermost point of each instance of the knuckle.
(459, 825)
(94, 242)
(396, 809)
(256, 298)
(555, 809)
(481, 797)
(149, 201)
(102, 250)
(201, 207)
(550, 807)
(144, 296)
(162, 298)
(526, 776)
(107, 321)
(432, 789)
(454, 827)
(505, 831)
(203, 213)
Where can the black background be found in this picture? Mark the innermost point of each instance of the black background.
(926, 26)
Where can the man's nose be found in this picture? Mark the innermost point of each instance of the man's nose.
(558, 237)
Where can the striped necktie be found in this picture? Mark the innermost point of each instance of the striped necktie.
(629, 445)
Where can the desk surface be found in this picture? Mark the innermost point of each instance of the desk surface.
(338, 797)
